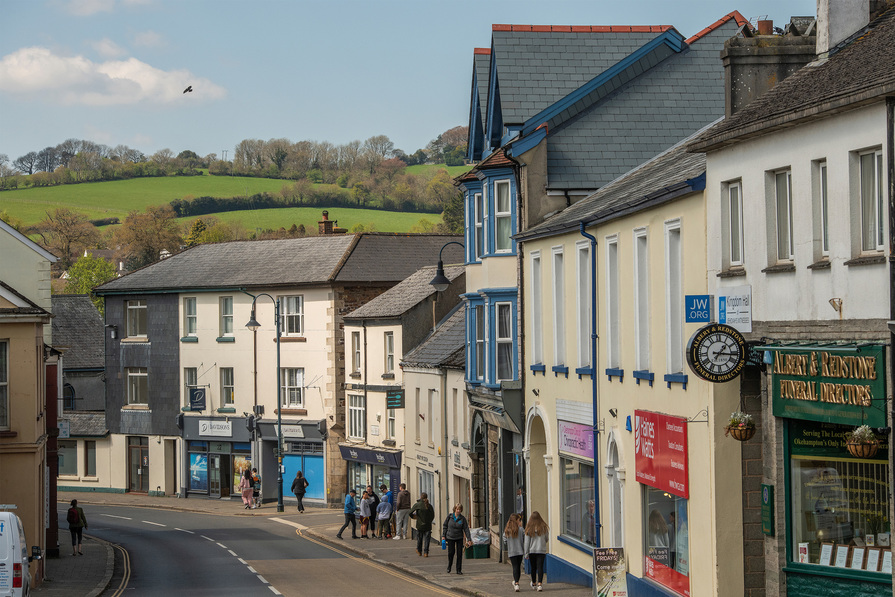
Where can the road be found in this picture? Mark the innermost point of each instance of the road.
(170, 552)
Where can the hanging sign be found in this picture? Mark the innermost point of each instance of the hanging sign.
(660, 452)
(394, 399)
(197, 398)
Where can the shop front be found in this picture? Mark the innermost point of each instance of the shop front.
(372, 466)
(303, 450)
(217, 451)
(836, 504)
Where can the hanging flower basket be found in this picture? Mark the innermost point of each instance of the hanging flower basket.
(740, 433)
(862, 449)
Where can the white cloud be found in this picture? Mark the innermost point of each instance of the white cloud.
(149, 39)
(85, 8)
(37, 72)
(108, 48)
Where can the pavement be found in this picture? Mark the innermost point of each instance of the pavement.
(90, 575)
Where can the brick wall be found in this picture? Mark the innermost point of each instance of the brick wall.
(753, 477)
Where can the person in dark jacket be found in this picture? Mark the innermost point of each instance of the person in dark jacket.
(350, 518)
(455, 531)
(373, 506)
(424, 515)
(402, 511)
(77, 528)
(299, 487)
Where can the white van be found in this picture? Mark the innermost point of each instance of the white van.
(15, 577)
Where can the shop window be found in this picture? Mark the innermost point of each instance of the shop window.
(578, 506)
(839, 504)
(136, 319)
(137, 386)
(90, 458)
(68, 457)
(198, 466)
(666, 541)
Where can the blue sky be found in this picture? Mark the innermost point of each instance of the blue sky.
(113, 71)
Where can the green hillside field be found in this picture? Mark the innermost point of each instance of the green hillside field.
(383, 221)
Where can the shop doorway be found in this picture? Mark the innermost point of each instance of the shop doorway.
(479, 488)
(138, 464)
(538, 491)
(219, 475)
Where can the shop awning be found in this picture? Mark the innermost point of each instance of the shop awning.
(370, 455)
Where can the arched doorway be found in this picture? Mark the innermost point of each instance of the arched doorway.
(479, 490)
(538, 478)
(615, 475)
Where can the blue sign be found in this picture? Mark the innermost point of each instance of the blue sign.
(698, 308)
(197, 398)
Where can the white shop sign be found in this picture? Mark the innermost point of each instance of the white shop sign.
(215, 428)
(734, 307)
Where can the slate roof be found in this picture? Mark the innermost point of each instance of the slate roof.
(346, 259)
(399, 299)
(86, 424)
(860, 72)
(78, 325)
(445, 347)
(671, 174)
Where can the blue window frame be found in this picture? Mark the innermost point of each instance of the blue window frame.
(490, 215)
(492, 339)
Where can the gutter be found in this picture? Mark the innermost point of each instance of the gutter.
(593, 377)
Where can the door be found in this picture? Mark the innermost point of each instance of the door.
(138, 464)
(311, 468)
(214, 475)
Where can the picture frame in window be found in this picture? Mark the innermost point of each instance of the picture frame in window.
(873, 559)
(857, 558)
(826, 554)
(842, 553)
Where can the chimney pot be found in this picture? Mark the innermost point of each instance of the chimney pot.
(766, 27)
(325, 215)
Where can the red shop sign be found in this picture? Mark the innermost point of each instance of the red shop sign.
(660, 452)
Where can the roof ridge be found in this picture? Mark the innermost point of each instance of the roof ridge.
(582, 28)
(481, 51)
(735, 15)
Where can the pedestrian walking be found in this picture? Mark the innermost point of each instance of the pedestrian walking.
(299, 486)
(388, 496)
(366, 510)
(402, 511)
(373, 506)
(246, 486)
(77, 522)
(350, 517)
(383, 515)
(513, 538)
(536, 548)
(424, 515)
(256, 488)
(455, 531)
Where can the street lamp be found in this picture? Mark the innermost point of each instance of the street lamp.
(440, 281)
(254, 325)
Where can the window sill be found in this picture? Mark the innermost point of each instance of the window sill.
(680, 378)
(732, 272)
(135, 407)
(576, 544)
(644, 374)
(354, 375)
(455, 443)
(292, 339)
(189, 339)
(225, 339)
(821, 264)
(581, 371)
(866, 260)
(389, 442)
(560, 369)
(832, 571)
(8, 434)
(68, 478)
(779, 268)
(293, 411)
(226, 409)
(535, 369)
(388, 376)
(135, 340)
(615, 372)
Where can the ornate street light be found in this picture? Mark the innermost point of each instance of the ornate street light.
(440, 281)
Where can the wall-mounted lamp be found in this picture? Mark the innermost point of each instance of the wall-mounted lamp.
(836, 303)
(113, 330)
(613, 412)
(440, 281)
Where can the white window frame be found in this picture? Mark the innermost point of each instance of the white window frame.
(613, 322)
(480, 360)
(137, 318)
(137, 385)
(823, 200)
(781, 191)
(292, 391)
(583, 302)
(293, 316)
(391, 415)
(225, 306)
(501, 215)
(537, 309)
(355, 353)
(478, 212)
(190, 381)
(674, 293)
(228, 387)
(641, 299)
(559, 307)
(357, 416)
(419, 415)
(734, 224)
(503, 341)
(190, 316)
(389, 349)
(4, 385)
(877, 220)
(432, 399)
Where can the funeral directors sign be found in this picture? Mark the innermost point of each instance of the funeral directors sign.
(830, 386)
(660, 452)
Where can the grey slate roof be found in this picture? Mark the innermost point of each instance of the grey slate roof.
(445, 347)
(482, 66)
(398, 299)
(78, 325)
(861, 72)
(660, 179)
(665, 104)
(537, 69)
(350, 258)
(86, 424)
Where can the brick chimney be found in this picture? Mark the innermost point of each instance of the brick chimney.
(327, 226)
(755, 61)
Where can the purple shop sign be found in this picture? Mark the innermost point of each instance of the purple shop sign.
(576, 439)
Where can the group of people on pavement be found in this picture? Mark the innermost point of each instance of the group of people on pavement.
(250, 486)
(528, 542)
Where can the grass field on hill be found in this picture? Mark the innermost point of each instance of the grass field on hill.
(452, 170)
(384, 221)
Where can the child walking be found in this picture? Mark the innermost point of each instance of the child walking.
(383, 516)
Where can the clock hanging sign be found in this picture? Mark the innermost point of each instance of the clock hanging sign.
(716, 353)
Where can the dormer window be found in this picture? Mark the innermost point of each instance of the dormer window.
(503, 217)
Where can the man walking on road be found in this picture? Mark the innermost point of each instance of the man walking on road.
(350, 518)
(402, 510)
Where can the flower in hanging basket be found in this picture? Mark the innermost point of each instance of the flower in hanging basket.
(861, 442)
(740, 426)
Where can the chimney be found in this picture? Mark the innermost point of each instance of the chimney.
(837, 20)
(755, 61)
(325, 226)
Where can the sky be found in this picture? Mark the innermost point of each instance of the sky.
(114, 71)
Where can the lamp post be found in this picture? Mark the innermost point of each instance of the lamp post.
(254, 325)
(440, 281)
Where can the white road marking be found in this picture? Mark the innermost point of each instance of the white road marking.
(262, 579)
(275, 592)
(222, 545)
(243, 562)
(232, 553)
(184, 531)
(157, 524)
(252, 570)
(208, 538)
(113, 516)
(300, 527)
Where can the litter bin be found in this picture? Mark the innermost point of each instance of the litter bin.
(477, 552)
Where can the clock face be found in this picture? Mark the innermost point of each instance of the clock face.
(716, 353)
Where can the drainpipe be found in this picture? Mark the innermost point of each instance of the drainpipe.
(366, 405)
(444, 426)
(890, 176)
(593, 377)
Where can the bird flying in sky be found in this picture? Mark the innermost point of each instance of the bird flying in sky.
(188, 89)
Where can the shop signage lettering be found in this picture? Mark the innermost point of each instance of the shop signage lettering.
(823, 386)
(576, 439)
(293, 431)
(215, 428)
(660, 452)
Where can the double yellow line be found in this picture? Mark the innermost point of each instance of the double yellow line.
(126, 572)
